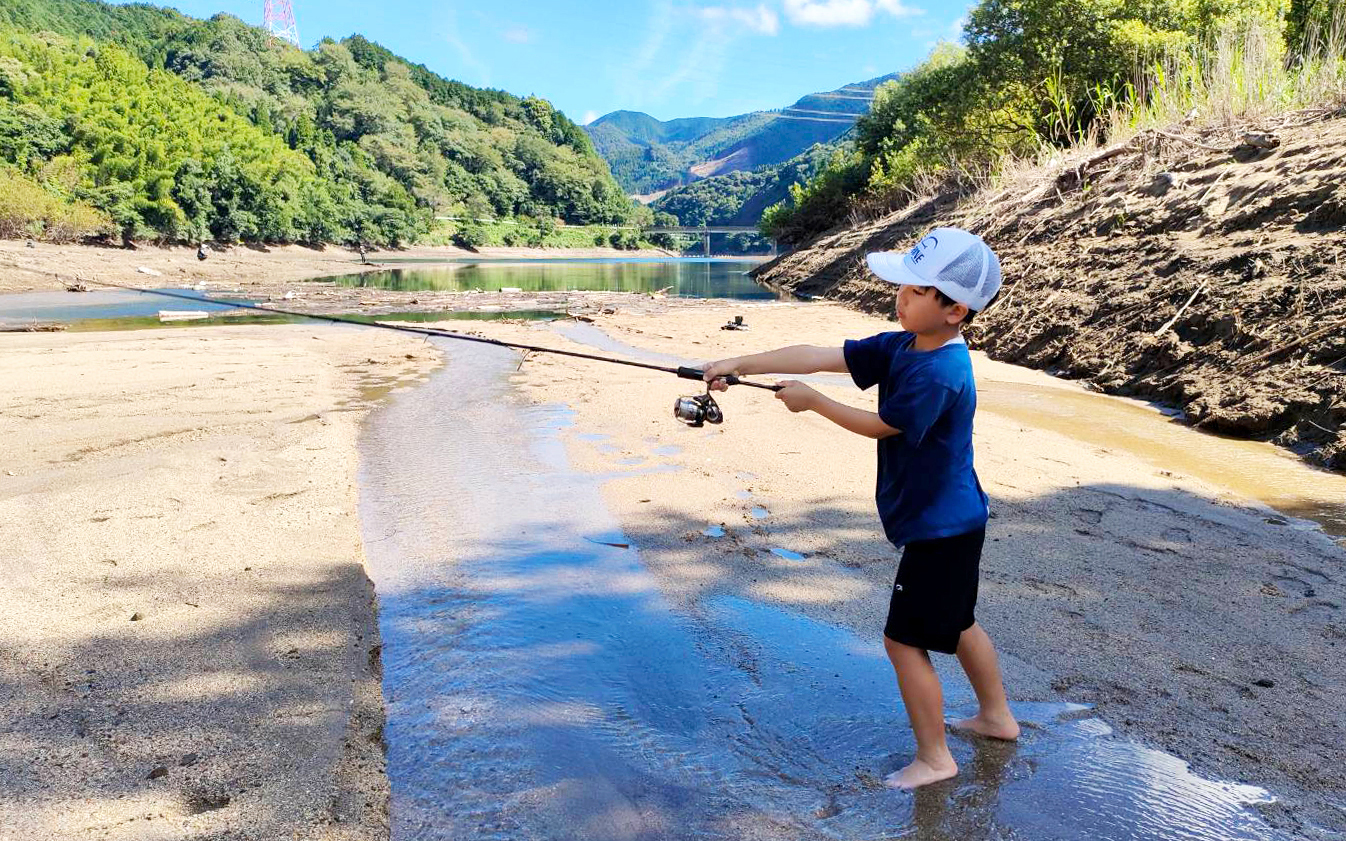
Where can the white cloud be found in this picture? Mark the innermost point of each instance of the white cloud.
(829, 12)
(844, 12)
(589, 117)
(898, 9)
(760, 20)
(518, 35)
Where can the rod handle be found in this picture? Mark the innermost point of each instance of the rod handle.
(699, 375)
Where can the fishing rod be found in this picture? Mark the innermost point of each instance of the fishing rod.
(693, 411)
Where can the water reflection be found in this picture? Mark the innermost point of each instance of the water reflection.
(28, 307)
(686, 278)
(540, 687)
(122, 310)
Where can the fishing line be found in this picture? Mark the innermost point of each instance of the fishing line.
(693, 411)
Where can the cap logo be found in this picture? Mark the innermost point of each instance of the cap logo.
(917, 254)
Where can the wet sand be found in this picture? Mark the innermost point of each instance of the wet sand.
(541, 686)
(1193, 619)
(189, 639)
(51, 267)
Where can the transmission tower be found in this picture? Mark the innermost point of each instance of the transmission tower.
(280, 21)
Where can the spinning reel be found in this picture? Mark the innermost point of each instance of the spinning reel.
(702, 409)
(699, 410)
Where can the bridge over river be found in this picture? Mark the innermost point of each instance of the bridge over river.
(705, 233)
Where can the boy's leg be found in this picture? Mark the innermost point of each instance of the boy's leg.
(924, 700)
(976, 654)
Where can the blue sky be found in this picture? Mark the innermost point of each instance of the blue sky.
(668, 58)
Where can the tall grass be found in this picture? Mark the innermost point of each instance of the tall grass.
(1234, 80)
(1240, 77)
(1243, 75)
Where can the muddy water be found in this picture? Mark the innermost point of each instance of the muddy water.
(1250, 469)
(539, 687)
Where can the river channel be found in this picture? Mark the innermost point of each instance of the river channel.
(539, 686)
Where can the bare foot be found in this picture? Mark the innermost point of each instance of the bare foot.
(920, 773)
(993, 728)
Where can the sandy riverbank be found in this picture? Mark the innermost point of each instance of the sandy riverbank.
(51, 267)
(189, 638)
(217, 500)
(1194, 619)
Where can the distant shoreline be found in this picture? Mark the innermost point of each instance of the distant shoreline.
(46, 267)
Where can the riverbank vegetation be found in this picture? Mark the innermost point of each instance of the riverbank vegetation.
(547, 232)
(1039, 76)
(178, 129)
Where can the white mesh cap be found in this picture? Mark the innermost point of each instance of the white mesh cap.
(954, 261)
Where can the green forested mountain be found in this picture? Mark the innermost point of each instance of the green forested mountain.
(647, 155)
(740, 198)
(182, 129)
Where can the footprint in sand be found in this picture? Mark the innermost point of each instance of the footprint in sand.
(1089, 515)
(1321, 608)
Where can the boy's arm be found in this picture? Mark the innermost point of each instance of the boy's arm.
(796, 359)
(800, 398)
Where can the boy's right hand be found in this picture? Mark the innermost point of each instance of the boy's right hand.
(716, 371)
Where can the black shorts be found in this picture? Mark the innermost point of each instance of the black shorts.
(935, 592)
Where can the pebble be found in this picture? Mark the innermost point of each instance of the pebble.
(161, 771)
(189, 759)
(137, 616)
(1264, 682)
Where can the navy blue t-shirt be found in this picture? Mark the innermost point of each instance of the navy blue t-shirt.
(927, 487)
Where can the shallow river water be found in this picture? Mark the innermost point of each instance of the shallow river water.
(540, 687)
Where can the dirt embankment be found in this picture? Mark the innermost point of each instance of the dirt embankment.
(1198, 271)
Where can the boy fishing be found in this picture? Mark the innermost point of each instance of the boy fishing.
(929, 499)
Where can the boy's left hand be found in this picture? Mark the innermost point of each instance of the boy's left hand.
(796, 396)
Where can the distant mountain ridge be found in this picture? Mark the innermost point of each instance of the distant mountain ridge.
(648, 156)
(636, 126)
